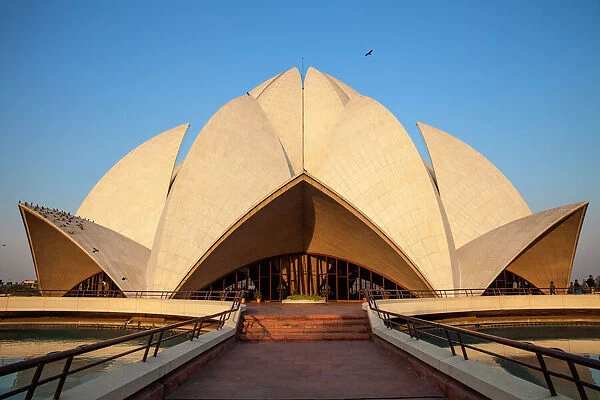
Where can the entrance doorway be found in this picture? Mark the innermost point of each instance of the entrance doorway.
(278, 277)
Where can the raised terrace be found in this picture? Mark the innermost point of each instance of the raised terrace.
(332, 350)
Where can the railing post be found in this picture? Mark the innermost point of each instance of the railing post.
(547, 376)
(462, 346)
(577, 381)
(160, 336)
(148, 347)
(194, 331)
(415, 330)
(450, 342)
(63, 377)
(387, 322)
(34, 381)
(200, 329)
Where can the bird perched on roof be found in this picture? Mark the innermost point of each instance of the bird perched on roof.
(370, 52)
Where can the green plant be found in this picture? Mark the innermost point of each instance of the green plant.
(258, 295)
(304, 297)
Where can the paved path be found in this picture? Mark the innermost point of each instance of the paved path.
(306, 370)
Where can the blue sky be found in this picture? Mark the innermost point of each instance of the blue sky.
(83, 83)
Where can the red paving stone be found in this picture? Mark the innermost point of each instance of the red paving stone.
(307, 370)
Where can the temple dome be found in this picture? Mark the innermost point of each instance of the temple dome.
(311, 168)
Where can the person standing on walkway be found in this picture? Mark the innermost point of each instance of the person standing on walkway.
(552, 288)
(591, 282)
(577, 287)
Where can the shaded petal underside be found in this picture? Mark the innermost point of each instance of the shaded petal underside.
(64, 255)
(484, 258)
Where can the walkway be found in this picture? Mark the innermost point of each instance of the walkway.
(306, 370)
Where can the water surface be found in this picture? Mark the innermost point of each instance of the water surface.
(25, 343)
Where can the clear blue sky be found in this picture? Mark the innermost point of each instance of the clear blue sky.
(84, 82)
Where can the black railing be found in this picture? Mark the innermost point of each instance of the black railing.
(409, 294)
(154, 338)
(219, 295)
(229, 294)
(456, 337)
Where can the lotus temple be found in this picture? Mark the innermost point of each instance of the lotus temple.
(301, 186)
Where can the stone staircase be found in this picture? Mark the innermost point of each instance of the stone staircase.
(280, 328)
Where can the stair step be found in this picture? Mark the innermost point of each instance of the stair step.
(304, 327)
(304, 337)
(348, 317)
(314, 321)
(285, 325)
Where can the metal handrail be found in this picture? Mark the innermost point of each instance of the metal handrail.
(219, 295)
(68, 355)
(386, 294)
(228, 294)
(417, 327)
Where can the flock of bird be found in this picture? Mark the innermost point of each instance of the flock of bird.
(61, 219)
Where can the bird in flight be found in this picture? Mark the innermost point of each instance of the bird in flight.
(370, 52)
(95, 250)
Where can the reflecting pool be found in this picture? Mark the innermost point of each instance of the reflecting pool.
(581, 340)
(25, 343)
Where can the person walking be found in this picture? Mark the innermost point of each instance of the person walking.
(591, 282)
(552, 288)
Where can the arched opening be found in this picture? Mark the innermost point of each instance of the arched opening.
(510, 283)
(97, 285)
(278, 277)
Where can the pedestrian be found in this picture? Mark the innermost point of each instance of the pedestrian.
(552, 288)
(571, 288)
(577, 287)
(585, 288)
(591, 282)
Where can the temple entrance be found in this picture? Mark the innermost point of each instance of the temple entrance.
(278, 277)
